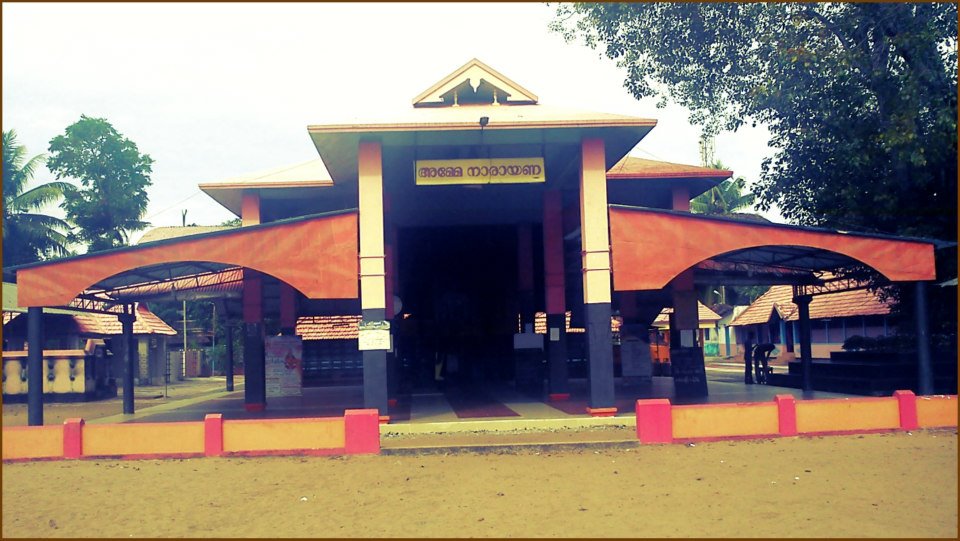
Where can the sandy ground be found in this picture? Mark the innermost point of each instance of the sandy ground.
(875, 485)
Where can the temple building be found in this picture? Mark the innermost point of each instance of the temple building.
(446, 228)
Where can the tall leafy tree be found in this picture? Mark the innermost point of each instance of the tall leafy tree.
(113, 175)
(28, 235)
(860, 98)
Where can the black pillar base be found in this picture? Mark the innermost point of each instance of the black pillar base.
(254, 367)
(924, 369)
(375, 369)
(557, 355)
(229, 367)
(600, 355)
(130, 366)
(806, 357)
(35, 366)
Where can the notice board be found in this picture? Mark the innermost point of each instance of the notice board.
(284, 365)
(689, 375)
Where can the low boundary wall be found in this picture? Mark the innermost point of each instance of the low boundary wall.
(357, 432)
(658, 421)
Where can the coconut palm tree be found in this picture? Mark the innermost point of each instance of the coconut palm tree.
(28, 235)
(724, 198)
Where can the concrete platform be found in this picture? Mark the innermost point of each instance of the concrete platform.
(496, 409)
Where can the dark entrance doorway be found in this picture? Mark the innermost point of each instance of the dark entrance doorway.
(458, 289)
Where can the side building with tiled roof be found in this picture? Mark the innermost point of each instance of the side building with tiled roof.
(834, 317)
(72, 336)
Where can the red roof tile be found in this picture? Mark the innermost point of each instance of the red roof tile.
(328, 327)
(704, 313)
(860, 302)
(108, 325)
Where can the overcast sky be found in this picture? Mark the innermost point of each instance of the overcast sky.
(212, 91)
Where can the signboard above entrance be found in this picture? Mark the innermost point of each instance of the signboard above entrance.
(481, 171)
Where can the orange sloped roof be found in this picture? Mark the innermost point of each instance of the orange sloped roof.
(328, 327)
(860, 302)
(633, 167)
(704, 314)
(109, 325)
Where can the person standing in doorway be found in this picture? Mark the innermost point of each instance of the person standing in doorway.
(748, 358)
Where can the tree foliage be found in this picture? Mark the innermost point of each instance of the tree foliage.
(860, 98)
(28, 235)
(724, 198)
(113, 175)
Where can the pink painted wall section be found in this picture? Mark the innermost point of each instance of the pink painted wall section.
(907, 402)
(362, 429)
(213, 434)
(553, 251)
(786, 414)
(73, 438)
(654, 421)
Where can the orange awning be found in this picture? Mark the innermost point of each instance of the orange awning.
(315, 254)
(651, 246)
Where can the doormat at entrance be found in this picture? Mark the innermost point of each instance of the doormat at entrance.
(577, 405)
(473, 404)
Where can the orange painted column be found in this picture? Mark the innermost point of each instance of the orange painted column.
(556, 339)
(685, 321)
(372, 272)
(250, 209)
(254, 363)
(681, 198)
(288, 309)
(595, 246)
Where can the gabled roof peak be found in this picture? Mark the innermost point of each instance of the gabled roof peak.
(474, 82)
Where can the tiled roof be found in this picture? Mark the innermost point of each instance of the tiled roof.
(164, 233)
(328, 327)
(704, 313)
(109, 325)
(633, 167)
(860, 302)
(347, 327)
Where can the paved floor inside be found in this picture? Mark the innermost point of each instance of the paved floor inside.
(449, 407)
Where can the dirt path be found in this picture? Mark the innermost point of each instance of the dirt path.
(877, 485)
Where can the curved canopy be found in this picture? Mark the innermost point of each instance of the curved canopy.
(315, 254)
(651, 246)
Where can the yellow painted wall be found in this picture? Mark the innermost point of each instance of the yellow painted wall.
(32, 442)
(718, 421)
(283, 434)
(143, 438)
(847, 414)
(934, 411)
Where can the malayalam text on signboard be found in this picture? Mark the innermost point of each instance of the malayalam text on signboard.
(480, 171)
